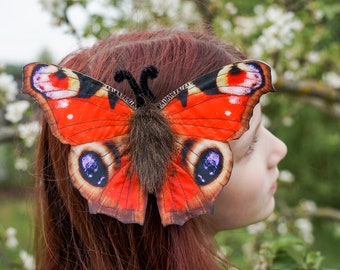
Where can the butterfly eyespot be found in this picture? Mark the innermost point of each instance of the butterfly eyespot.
(240, 79)
(206, 160)
(208, 166)
(92, 165)
(54, 83)
(93, 170)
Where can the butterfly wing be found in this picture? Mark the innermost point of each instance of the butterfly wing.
(205, 114)
(101, 174)
(79, 109)
(198, 174)
(94, 119)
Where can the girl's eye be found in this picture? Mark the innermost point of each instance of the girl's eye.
(251, 148)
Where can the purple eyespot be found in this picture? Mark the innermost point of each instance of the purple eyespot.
(92, 168)
(208, 167)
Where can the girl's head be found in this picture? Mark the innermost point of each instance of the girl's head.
(74, 238)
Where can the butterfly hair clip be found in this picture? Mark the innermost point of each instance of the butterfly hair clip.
(124, 150)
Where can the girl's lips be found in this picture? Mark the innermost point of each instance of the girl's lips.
(273, 187)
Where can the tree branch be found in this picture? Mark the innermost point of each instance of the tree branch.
(326, 212)
(309, 88)
(8, 134)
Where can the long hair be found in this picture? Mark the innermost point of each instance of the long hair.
(67, 235)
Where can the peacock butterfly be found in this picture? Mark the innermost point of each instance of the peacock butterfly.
(111, 164)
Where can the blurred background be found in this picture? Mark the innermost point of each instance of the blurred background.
(299, 39)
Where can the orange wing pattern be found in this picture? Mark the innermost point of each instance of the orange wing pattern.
(94, 119)
(205, 114)
(78, 108)
(219, 105)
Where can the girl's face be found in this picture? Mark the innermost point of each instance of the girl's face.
(249, 195)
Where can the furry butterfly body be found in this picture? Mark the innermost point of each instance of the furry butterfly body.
(176, 149)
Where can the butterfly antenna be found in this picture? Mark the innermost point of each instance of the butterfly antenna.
(122, 75)
(148, 72)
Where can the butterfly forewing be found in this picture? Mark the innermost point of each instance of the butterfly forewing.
(219, 108)
(77, 107)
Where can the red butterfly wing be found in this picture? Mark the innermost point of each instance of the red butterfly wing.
(78, 108)
(101, 174)
(94, 119)
(190, 188)
(219, 105)
(205, 114)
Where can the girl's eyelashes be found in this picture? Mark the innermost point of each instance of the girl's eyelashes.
(251, 147)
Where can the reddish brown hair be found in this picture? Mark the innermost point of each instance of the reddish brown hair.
(68, 237)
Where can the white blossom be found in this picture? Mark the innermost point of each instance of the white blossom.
(256, 228)
(226, 26)
(187, 11)
(28, 132)
(11, 239)
(231, 8)
(259, 10)
(256, 50)
(21, 164)
(332, 79)
(308, 206)
(313, 57)
(278, 28)
(245, 26)
(27, 260)
(8, 86)
(16, 110)
(318, 14)
(287, 121)
(290, 75)
(286, 176)
(306, 229)
(282, 228)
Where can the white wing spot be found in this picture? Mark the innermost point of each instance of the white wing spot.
(234, 100)
(227, 113)
(63, 103)
(69, 116)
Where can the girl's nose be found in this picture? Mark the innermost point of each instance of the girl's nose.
(278, 150)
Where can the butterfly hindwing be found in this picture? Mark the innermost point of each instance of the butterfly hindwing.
(198, 174)
(101, 174)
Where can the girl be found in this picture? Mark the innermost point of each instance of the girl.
(80, 223)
